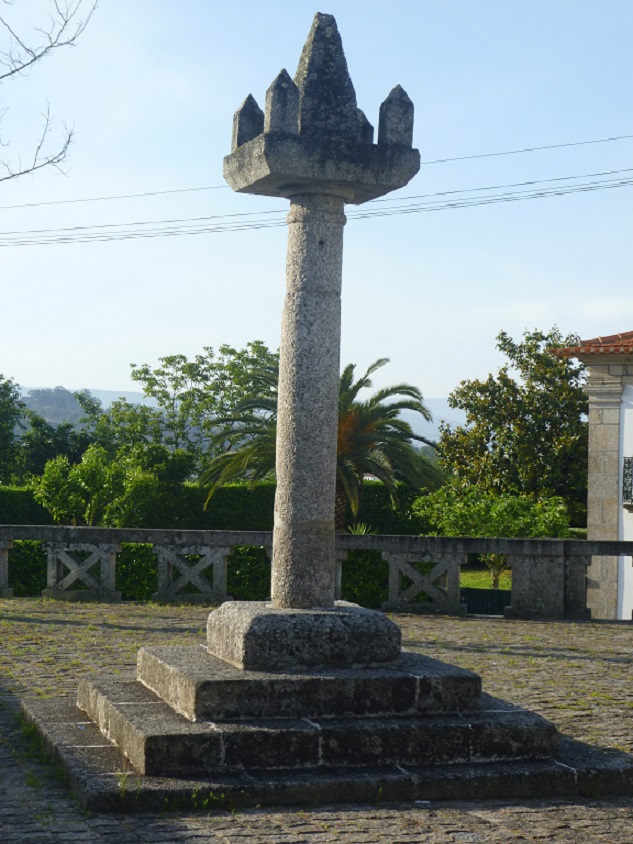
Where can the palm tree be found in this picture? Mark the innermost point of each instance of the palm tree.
(373, 439)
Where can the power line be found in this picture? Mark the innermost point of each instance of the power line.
(530, 149)
(466, 202)
(222, 187)
(108, 198)
(350, 212)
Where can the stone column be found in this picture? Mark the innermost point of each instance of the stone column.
(603, 506)
(303, 572)
(313, 146)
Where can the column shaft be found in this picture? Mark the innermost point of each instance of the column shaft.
(303, 573)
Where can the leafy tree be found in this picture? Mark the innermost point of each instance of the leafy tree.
(20, 52)
(141, 488)
(42, 442)
(152, 488)
(126, 427)
(192, 394)
(11, 414)
(525, 430)
(453, 511)
(372, 439)
(80, 494)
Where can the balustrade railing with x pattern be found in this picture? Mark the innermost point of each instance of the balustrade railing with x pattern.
(549, 576)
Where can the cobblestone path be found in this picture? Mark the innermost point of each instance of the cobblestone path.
(578, 675)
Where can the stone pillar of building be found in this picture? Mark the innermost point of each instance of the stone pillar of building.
(313, 146)
(604, 389)
(610, 379)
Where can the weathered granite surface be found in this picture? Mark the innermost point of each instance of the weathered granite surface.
(251, 634)
(202, 687)
(314, 146)
(575, 674)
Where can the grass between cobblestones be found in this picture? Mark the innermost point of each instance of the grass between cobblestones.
(578, 675)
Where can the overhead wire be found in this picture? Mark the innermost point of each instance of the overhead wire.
(205, 218)
(230, 225)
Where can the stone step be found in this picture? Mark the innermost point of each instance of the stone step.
(202, 687)
(160, 742)
(103, 780)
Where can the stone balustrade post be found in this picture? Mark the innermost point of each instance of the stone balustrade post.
(5, 590)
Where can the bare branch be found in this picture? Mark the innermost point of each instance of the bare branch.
(40, 158)
(65, 27)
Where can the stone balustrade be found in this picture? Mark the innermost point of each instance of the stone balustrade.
(549, 576)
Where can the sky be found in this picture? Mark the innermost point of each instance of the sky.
(151, 88)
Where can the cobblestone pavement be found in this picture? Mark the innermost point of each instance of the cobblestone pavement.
(578, 675)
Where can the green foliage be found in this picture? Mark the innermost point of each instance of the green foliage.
(383, 517)
(451, 511)
(248, 574)
(372, 439)
(525, 429)
(18, 507)
(478, 577)
(192, 394)
(136, 572)
(365, 579)
(239, 507)
(80, 494)
(11, 413)
(42, 442)
(27, 568)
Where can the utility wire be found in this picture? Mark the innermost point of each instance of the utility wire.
(466, 202)
(529, 149)
(350, 212)
(222, 187)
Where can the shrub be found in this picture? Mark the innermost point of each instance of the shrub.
(136, 572)
(27, 568)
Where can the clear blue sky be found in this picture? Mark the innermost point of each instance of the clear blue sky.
(151, 89)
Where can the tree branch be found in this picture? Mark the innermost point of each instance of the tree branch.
(40, 159)
(64, 29)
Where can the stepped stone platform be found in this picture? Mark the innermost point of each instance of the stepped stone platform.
(408, 725)
(193, 732)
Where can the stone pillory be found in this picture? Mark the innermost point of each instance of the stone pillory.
(315, 147)
(305, 699)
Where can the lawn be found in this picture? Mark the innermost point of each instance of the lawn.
(478, 577)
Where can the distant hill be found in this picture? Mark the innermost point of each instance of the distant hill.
(56, 405)
(59, 405)
(106, 397)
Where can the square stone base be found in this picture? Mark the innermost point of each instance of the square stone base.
(259, 636)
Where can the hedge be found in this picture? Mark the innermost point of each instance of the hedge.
(235, 507)
(18, 507)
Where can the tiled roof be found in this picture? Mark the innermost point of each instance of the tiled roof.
(614, 344)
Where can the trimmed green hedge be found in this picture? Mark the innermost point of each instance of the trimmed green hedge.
(18, 507)
(233, 507)
(27, 568)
